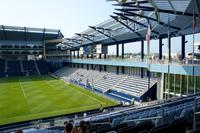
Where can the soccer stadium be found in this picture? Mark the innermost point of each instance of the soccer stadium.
(138, 71)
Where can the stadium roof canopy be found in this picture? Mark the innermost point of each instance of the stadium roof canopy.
(131, 19)
(13, 33)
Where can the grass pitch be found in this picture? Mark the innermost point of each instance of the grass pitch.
(26, 98)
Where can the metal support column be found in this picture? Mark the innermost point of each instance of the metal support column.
(122, 57)
(117, 70)
(160, 48)
(105, 68)
(44, 50)
(169, 52)
(92, 66)
(142, 50)
(123, 71)
(117, 55)
(74, 55)
(182, 47)
(122, 50)
(142, 57)
(100, 68)
(149, 78)
(70, 54)
(105, 55)
(117, 50)
(142, 72)
(78, 54)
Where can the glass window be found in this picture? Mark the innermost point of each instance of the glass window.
(191, 85)
(198, 83)
(184, 85)
(177, 84)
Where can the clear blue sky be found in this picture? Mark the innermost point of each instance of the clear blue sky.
(71, 16)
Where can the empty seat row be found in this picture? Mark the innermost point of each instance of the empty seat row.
(171, 115)
(105, 81)
(23, 67)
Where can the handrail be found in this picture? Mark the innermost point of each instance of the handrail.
(109, 117)
(162, 114)
(100, 123)
(195, 113)
(122, 111)
(149, 118)
(152, 61)
(135, 109)
(142, 119)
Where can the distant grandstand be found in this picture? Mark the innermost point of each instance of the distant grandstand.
(47, 80)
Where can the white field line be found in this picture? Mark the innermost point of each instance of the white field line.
(81, 93)
(52, 113)
(89, 96)
(22, 89)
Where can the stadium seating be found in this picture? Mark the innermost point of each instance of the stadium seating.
(175, 114)
(30, 68)
(161, 117)
(121, 96)
(56, 129)
(118, 86)
(108, 81)
(42, 66)
(2, 68)
(134, 85)
(23, 67)
(14, 68)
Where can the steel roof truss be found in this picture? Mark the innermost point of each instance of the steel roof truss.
(150, 18)
(123, 16)
(126, 25)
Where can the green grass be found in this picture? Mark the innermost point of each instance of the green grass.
(27, 98)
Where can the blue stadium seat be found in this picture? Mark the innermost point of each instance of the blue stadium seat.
(29, 67)
(14, 68)
(43, 67)
(2, 68)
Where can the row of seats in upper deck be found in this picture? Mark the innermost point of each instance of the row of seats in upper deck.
(173, 111)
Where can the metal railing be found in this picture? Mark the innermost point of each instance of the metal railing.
(108, 115)
(149, 118)
(196, 112)
(187, 62)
